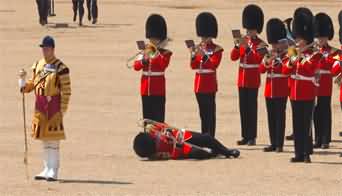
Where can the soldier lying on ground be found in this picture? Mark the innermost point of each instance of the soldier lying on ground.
(161, 141)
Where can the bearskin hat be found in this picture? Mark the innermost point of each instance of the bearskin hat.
(155, 27)
(302, 25)
(206, 25)
(276, 30)
(144, 145)
(253, 18)
(323, 26)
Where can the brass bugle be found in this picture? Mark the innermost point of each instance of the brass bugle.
(150, 49)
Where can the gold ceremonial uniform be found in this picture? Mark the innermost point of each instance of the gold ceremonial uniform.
(52, 87)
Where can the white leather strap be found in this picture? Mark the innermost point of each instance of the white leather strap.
(146, 73)
(276, 75)
(249, 66)
(324, 71)
(204, 71)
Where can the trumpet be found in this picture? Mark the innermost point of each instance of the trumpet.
(277, 56)
(150, 49)
(294, 52)
(200, 49)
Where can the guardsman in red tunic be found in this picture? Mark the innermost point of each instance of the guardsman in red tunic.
(205, 59)
(249, 75)
(276, 88)
(153, 63)
(303, 67)
(324, 31)
(161, 141)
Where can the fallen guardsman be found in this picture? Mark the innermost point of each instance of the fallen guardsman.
(159, 141)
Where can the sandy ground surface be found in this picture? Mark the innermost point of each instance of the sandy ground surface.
(97, 157)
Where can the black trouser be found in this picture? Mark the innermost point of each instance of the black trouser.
(43, 10)
(207, 109)
(78, 5)
(302, 112)
(92, 9)
(206, 141)
(322, 120)
(248, 102)
(154, 108)
(276, 113)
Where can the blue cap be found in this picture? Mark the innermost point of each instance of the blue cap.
(48, 41)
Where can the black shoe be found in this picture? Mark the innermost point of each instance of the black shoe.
(242, 142)
(89, 17)
(325, 146)
(251, 142)
(94, 21)
(269, 149)
(234, 153)
(307, 159)
(39, 178)
(311, 151)
(45, 22)
(290, 137)
(317, 145)
(51, 179)
(297, 159)
(41, 22)
(75, 16)
(279, 149)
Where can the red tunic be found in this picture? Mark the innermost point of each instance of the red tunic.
(303, 86)
(166, 145)
(325, 66)
(153, 79)
(276, 81)
(249, 75)
(205, 79)
(336, 70)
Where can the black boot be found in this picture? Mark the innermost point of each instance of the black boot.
(233, 153)
(80, 23)
(307, 159)
(290, 137)
(242, 142)
(75, 17)
(297, 159)
(279, 149)
(269, 148)
(94, 21)
(251, 142)
(325, 146)
(317, 145)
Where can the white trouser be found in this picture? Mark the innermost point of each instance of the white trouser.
(50, 159)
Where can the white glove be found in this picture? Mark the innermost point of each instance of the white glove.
(22, 76)
(22, 83)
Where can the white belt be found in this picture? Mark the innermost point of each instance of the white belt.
(249, 66)
(301, 77)
(204, 71)
(275, 75)
(323, 71)
(146, 73)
